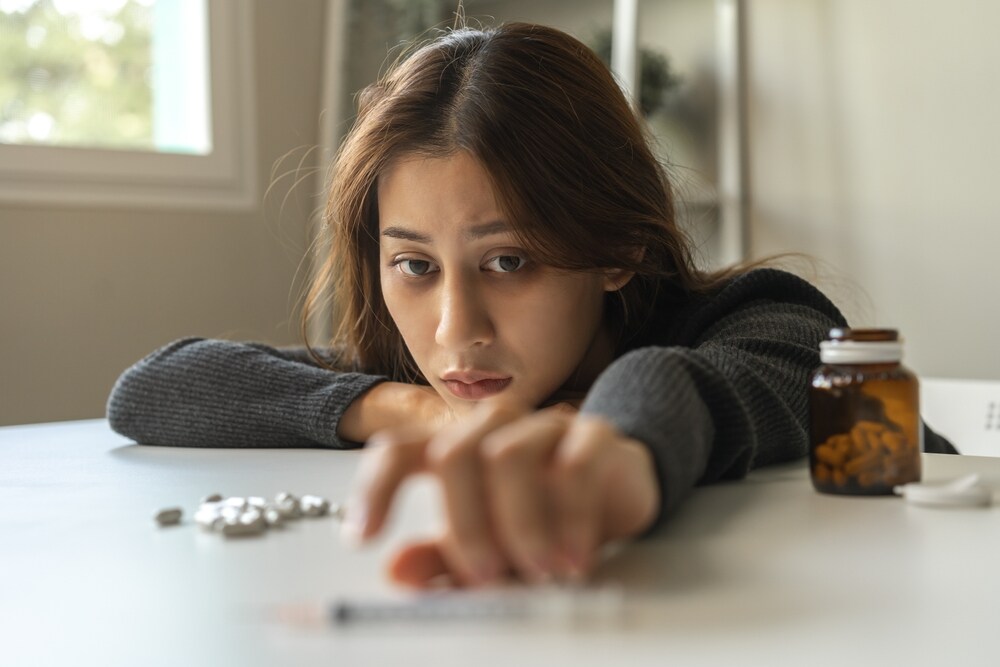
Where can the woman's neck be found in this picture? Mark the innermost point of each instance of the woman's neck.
(598, 356)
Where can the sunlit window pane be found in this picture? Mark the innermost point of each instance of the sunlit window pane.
(118, 74)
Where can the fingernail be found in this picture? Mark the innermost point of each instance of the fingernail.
(352, 530)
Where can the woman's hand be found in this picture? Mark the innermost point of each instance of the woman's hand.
(533, 493)
(389, 404)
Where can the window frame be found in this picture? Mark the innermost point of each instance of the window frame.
(226, 178)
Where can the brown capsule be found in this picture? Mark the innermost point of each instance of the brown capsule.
(869, 426)
(860, 440)
(822, 473)
(170, 516)
(841, 443)
(830, 456)
(865, 463)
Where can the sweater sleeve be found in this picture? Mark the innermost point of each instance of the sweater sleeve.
(213, 393)
(734, 399)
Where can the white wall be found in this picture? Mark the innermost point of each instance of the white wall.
(84, 292)
(875, 148)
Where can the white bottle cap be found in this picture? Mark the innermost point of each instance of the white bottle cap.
(860, 352)
(965, 491)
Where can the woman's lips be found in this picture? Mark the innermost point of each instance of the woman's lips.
(476, 390)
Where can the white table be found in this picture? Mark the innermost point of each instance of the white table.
(760, 572)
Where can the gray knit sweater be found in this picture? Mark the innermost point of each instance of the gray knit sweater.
(715, 386)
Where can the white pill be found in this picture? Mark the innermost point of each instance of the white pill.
(208, 514)
(315, 505)
(273, 517)
(212, 498)
(246, 522)
(252, 516)
(289, 508)
(236, 501)
(257, 501)
(208, 511)
(169, 516)
(230, 513)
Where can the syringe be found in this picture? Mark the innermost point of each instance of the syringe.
(558, 605)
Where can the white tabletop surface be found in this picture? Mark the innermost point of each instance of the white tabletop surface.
(759, 572)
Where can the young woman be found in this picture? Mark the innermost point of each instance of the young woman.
(521, 317)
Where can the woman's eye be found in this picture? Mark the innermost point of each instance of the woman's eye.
(506, 263)
(414, 267)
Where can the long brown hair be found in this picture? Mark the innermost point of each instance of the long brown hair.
(569, 161)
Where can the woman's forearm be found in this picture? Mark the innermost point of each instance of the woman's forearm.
(214, 393)
(388, 404)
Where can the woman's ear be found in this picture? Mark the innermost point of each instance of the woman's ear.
(615, 279)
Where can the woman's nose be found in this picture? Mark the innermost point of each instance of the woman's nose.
(464, 319)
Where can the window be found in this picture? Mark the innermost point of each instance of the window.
(144, 102)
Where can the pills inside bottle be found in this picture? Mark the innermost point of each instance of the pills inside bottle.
(865, 432)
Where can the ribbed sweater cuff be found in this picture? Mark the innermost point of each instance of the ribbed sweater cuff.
(669, 417)
(324, 417)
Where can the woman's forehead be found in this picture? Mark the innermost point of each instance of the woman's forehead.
(449, 194)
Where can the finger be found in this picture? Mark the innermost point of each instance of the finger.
(421, 565)
(565, 408)
(570, 399)
(516, 457)
(424, 564)
(389, 458)
(453, 456)
(576, 495)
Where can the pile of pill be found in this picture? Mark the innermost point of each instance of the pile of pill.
(236, 515)
(871, 455)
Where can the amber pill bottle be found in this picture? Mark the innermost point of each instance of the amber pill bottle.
(865, 433)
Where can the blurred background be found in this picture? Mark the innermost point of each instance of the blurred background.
(162, 162)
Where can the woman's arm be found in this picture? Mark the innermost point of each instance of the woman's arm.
(389, 404)
(723, 390)
(213, 393)
(539, 493)
(735, 398)
(554, 488)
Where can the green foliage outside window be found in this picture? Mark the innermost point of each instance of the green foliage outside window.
(76, 73)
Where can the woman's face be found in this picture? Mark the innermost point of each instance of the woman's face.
(480, 317)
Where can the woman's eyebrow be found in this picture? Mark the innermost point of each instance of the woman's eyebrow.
(471, 234)
(405, 234)
(486, 229)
